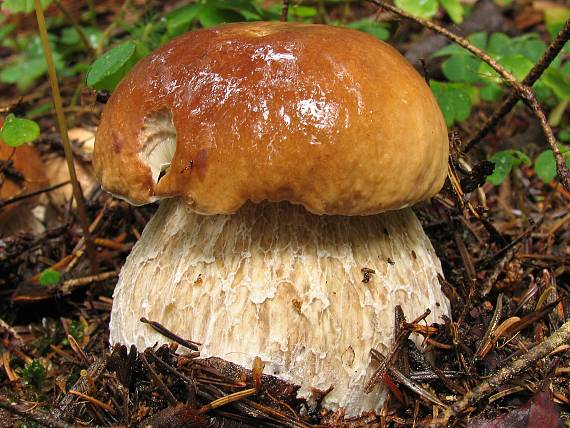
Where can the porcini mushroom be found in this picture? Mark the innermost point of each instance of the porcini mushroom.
(285, 150)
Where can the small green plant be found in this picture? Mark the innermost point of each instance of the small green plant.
(34, 374)
(108, 70)
(469, 75)
(544, 165)
(16, 131)
(50, 277)
(470, 80)
(370, 26)
(505, 161)
(22, 6)
(427, 9)
(76, 329)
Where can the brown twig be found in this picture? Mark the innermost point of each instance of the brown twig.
(116, 22)
(533, 75)
(523, 92)
(69, 285)
(226, 400)
(560, 337)
(491, 328)
(394, 351)
(83, 384)
(77, 27)
(62, 125)
(284, 10)
(93, 401)
(41, 417)
(19, 198)
(158, 381)
(400, 377)
(170, 335)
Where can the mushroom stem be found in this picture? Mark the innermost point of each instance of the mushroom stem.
(310, 295)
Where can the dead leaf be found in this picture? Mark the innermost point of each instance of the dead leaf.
(539, 411)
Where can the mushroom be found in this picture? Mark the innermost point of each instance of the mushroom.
(285, 150)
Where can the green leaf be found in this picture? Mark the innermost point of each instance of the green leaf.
(555, 18)
(70, 36)
(545, 166)
(454, 10)
(490, 92)
(556, 81)
(498, 44)
(23, 73)
(302, 11)
(454, 100)
(77, 329)
(179, 20)
(108, 70)
(251, 6)
(50, 277)
(451, 49)
(504, 162)
(542, 91)
(34, 374)
(462, 68)
(16, 132)
(477, 39)
(517, 64)
(372, 27)
(22, 6)
(425, 9)
(6, 29)
(30, 63)
(212, 16)
(564, 136)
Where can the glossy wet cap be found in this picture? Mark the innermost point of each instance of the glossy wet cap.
(326, 117)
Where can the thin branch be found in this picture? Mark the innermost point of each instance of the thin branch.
(170, 335)
(401, 378)
(109, 30)
(77, 27)
(524, 92)
(31, 194)
(560, 337)
(158, 381)
(30, 413)
(533, 75)
(284, 10)
(62, 125)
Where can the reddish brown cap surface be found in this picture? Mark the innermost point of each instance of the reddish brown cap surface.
(329, 118)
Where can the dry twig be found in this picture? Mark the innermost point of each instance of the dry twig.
(284, 11)
(560, 337)
(41, 417)
(62, 125)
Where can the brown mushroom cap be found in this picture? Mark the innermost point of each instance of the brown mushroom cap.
(329, 118)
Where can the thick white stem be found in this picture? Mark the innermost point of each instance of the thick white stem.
(277, 282)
